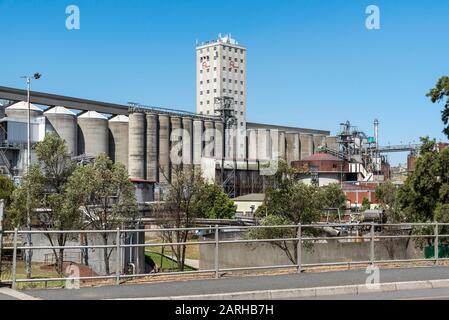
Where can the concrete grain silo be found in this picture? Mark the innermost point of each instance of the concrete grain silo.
(197, 141)
(252, 144)
(136, 162)
(63, 122)
(152, 147)
(282, 151)
(219, 139)
(164, 149)
(93, 134)
(275, 150)
(306, 141)
(19, 111)
(293, 147)
(263, 145)
(175, 142)
(118, 139)
(209, 136)
(187, 145)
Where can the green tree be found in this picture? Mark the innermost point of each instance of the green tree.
(6, 189)
(180, 207)
(334, 197)
(438, 94)
(288, 202)
(104, 195)
(212, 203)
(419, 195)
(366, 204)
(46, 184)
(387, 196)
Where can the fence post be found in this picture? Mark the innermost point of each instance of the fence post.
(217, 242)
(436, 243)
(118, 258)
(14, 260)
(372, 244)
(299, 248)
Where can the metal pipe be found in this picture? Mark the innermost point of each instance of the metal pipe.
(14, 260)
(436, 244)
(299, 248)
(217, 275)
(372, 257)
(117, 259)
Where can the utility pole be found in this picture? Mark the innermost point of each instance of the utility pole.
(227, 115)
(29, 253)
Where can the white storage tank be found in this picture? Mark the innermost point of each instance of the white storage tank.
(63, 122)
(17, 122)
(93, 134)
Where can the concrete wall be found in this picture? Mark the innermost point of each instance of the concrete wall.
(265, 254)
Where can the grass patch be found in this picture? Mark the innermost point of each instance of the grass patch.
(167, 263)
(38, 271)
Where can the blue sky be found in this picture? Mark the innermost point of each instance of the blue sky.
(311, 63)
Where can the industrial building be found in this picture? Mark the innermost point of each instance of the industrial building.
(151, 141)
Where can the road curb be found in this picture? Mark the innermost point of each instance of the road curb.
(311, 292)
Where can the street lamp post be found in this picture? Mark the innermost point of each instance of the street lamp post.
(28, 253)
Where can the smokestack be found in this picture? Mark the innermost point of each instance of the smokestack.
(376, 132)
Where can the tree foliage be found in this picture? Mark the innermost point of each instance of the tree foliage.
(45, 184)
(289, 202)
(104, 197)
(334, 197)
(438, 94)
(6, 189)
(212, 203)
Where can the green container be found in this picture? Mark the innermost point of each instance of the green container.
(443, 251)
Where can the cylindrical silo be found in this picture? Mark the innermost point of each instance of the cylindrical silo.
(293, 148)
(19, 110)
(197, 141)
(263, 145)
(331, 143)
(118, 139)
(219, 139)
(175, 145)
(187, 146)
(63, 122)
(274, 140)
(93, 134)
(282, 150)
(152, 143)
(137, 133)
(164, 149)
(306, 141)
(209, 142)
(252, 144)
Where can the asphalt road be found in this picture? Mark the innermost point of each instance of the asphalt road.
(241, 284)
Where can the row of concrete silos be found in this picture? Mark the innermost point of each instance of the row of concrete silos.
(150, 144)
(267, 144)
(89, 133)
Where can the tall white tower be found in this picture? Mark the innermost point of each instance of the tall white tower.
(221, 71)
